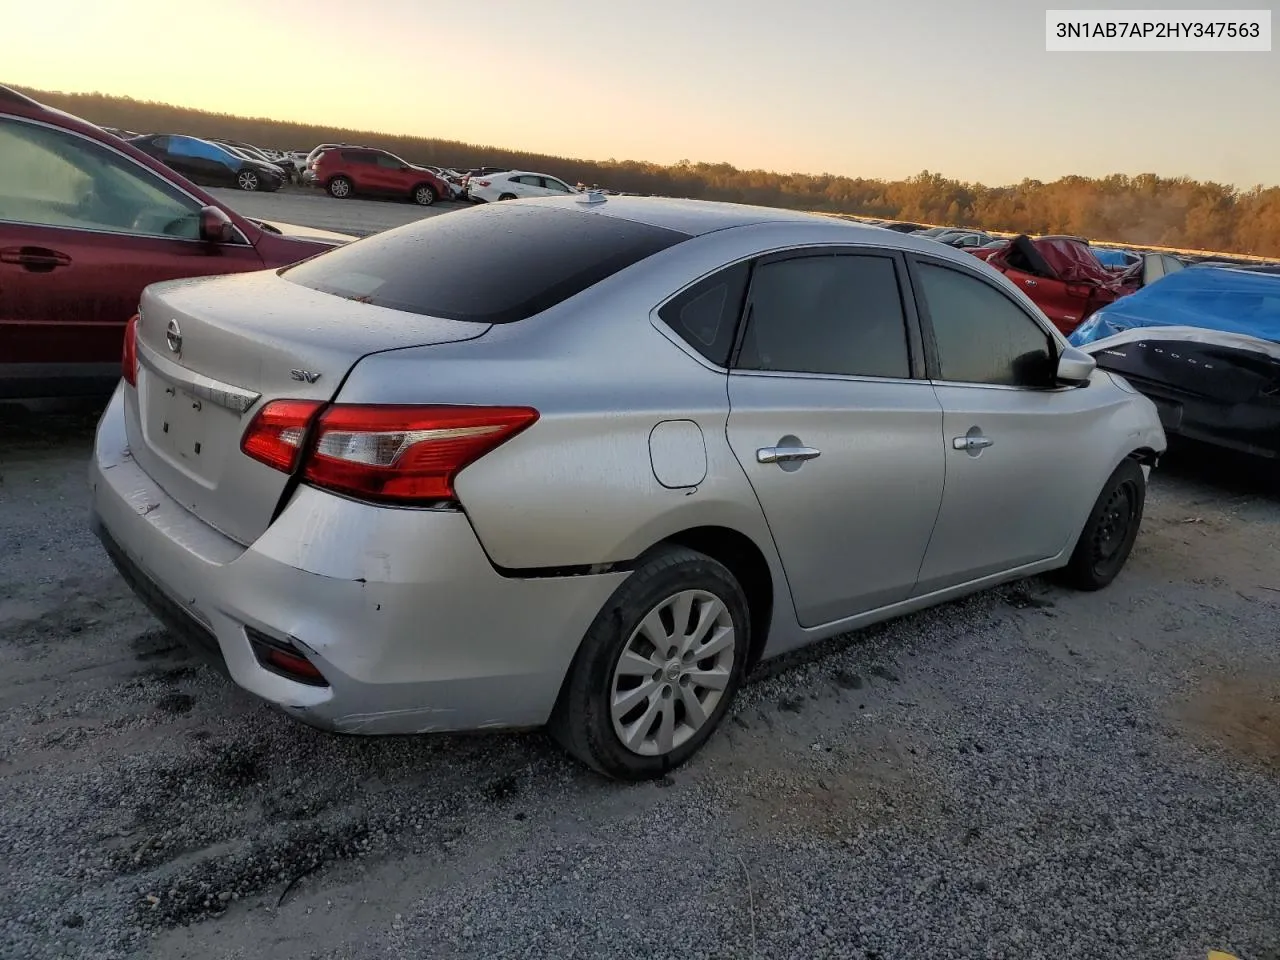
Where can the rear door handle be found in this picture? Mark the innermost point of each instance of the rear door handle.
(34, 258)
(786, 454)
(971, 443)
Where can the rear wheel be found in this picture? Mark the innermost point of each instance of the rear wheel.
(658, 668)
(507, 196)
(247, 180)
(1110, 532)
(424, 195)
(339, 187)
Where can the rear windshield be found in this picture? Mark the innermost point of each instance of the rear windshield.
(498, 263)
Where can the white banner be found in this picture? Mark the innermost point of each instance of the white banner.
(1156, 31)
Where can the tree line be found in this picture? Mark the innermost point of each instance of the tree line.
(1143, 210)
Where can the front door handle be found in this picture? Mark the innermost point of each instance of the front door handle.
(1030, 283)
(786, 454)
(971, 443)
(34, 258)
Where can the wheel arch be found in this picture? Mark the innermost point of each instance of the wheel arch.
(429, 185)
(749, 566)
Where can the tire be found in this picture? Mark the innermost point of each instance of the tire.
(1109, 534)
(507, 196)
(247, 180)
(424, 195)
(665, 580)
(339, 188)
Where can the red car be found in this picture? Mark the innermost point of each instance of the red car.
(1062, 276)
(86, 222)
(347, 171)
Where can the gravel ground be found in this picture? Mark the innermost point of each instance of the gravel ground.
(1027, 773)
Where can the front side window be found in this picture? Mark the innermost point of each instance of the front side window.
(57, 179)
(551, 183)
(388, 161)
(981, 335)
(834, 314)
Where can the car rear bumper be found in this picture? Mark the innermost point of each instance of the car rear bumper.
(401, 610)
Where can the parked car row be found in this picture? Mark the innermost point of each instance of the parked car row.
(349, 170)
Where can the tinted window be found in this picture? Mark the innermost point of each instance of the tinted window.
(551, 183)
(982, 336)
(827, 314)
(386, 160)
(57, 179)
(706, 315)
(190, 147)
(496, 263)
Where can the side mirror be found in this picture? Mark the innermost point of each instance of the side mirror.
(1075, 367)
(216, 226)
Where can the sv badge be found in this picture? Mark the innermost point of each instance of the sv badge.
(304, 376)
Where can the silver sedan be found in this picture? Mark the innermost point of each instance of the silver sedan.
(584, 462)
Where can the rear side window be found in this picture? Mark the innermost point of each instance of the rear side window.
(835, 314)
(497, 263)
(706, 315)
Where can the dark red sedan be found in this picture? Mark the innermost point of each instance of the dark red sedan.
(86, 222)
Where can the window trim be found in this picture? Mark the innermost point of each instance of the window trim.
(934, 371)
(664, 328)
(145, 171)
(669, 331)
(916, 368)
(915, 344)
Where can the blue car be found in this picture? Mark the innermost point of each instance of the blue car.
(210, 164)
(1204, 345)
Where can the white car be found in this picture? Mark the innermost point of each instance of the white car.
(516, 184)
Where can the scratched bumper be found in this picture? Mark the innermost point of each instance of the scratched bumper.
(400, 609)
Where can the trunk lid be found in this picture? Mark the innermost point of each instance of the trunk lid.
(214, 351)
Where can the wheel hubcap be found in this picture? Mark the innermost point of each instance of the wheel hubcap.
(672, 673)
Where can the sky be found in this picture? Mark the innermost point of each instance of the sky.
(881, 89)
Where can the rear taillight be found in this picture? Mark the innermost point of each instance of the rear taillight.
(405, 454)
(129, 355)
(483, 183)
(390, 454)
(275, 435)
